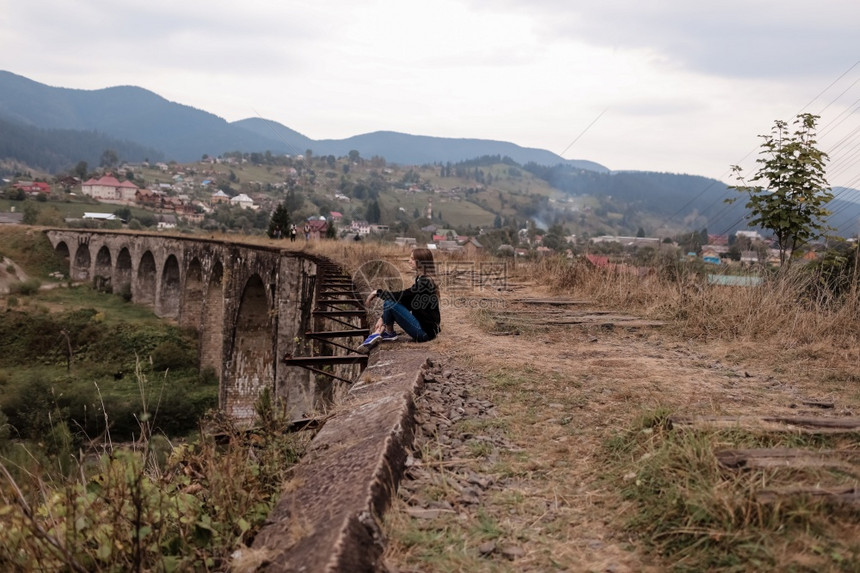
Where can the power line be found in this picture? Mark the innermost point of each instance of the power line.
(843, 152)
(583, 132)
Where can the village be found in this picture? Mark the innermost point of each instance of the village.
(191, 195)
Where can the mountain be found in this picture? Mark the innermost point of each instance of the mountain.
(52, 129)
(182, 133)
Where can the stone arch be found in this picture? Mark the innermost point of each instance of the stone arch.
(212, 322)
(123, 271)
(191, 314)
(103, 270)
(253, 358)
(170, 288)
(146, 280)
(81, 267)
(61, 252)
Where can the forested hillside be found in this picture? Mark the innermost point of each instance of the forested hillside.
(58, 150)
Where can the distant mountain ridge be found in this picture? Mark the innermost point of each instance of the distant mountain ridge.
(51, 129)
(184, 134)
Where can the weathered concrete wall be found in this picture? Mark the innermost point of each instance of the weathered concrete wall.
(332, 523)
(246, 303)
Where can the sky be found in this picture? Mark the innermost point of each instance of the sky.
(665, 85)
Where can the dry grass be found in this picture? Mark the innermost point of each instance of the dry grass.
(595, 480)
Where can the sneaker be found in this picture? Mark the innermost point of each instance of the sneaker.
(387, 336)
(369, 343)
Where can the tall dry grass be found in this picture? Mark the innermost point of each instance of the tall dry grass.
(788, 308)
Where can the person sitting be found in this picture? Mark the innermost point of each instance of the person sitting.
(415, 310)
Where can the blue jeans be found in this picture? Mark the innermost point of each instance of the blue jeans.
(394, 312)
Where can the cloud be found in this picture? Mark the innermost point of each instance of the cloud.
(685, 86)
(731, 38)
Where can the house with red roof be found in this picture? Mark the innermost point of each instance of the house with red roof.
(109, 188)
(318, 228)
(32, 187)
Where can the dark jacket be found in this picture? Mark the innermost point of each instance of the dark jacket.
(422, 300)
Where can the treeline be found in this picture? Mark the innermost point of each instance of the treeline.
(58, 150)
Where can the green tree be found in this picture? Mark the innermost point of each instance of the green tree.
(279, 224)
(555, 238)
(372, 214)
(80, 170)
(792, 201)
(109, 158)
(31, 213)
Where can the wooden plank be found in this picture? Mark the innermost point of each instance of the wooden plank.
(815, 422)
(339, 312)
(336, 301)
(841, 495)
(819, 404)
(362, 332)
(551, 301)
(621, 323)
(325, 360)
(807, 424)
(762, 458)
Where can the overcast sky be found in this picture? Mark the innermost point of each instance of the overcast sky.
(664, 85)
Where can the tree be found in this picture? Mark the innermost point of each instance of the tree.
(31, 213)
(279, 224)
(109, 158)
(372, 214)
(792, 203)
(80, 170)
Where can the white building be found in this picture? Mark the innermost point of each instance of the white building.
(243, 201)
(751, 235)
(109, 188)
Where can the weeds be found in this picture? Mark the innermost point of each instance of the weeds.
(149, 505)
(700, 515)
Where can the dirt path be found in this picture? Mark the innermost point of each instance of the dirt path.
(517, 486)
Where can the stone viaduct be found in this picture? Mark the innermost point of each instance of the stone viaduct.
(266, 318)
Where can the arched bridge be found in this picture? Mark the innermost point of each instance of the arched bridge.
(266, 317)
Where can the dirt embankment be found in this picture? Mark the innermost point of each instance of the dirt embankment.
(509, 465)
(10, 273)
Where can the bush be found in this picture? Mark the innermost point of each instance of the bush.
(171, 356)
(25, 288)
(125, 292)
(208, 377)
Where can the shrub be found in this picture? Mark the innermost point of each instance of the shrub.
(208, 377)
(125, 292)
(171, 356)
(25, 288)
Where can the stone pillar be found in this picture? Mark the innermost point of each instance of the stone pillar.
(294, 385)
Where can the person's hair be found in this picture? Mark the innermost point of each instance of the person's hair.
(424, 262)
(425, 265)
